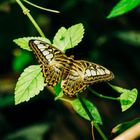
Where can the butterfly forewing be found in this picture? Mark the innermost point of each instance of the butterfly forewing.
(40, 50)
(52, 61)
(82, 74)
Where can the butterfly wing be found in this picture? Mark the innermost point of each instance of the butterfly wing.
(94, 73)
(83, 73)
(52, 61)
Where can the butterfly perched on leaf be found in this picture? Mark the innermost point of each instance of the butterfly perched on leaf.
(75, 74)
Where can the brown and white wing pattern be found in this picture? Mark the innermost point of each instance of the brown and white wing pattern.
(73, 83)
(75, 74)
(83, 73)
(52, 61)
(95, 73)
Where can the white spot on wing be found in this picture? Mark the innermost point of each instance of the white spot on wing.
(37, 42)
(47, 45)
(101, 71)
(41, 46)
(50, 50)
(88, 73)
(93, 73)
(72, 77)
(57, 69)
(42, 49)
(49, 60)
(107, 71)
(45, 53)
(98, 73)
(49, 56)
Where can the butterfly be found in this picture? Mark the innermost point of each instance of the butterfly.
(76, 75)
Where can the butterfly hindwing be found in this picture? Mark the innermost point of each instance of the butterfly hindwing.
(95, 73)
(82, 74)
(74, 82)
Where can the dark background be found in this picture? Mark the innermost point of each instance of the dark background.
(113, 43)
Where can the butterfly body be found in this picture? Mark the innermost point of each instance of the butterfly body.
(75, 74)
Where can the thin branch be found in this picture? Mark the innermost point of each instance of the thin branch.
(64, 99)
(102, 96)
(27, 12)
(92, 130)
(42, 8)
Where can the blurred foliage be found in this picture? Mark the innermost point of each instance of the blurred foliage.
(34, 132)
(109, 42)
(21, 59)
(124, 126)
(6, 101)
(129, 37)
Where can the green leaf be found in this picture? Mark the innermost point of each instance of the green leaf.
(29, 84)
(60, 40)
(123, 7)
(58, 90)
(76, 33)
(127, 97)
(23, 42)
(68, 38)
(124, 126)
(77, 106)
(59, 95)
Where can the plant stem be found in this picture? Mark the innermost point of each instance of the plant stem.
(100, 131)
(92, 131)
(26, 12)
(65, 100)
(92, 119)
(42, 8)
(102, 96)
